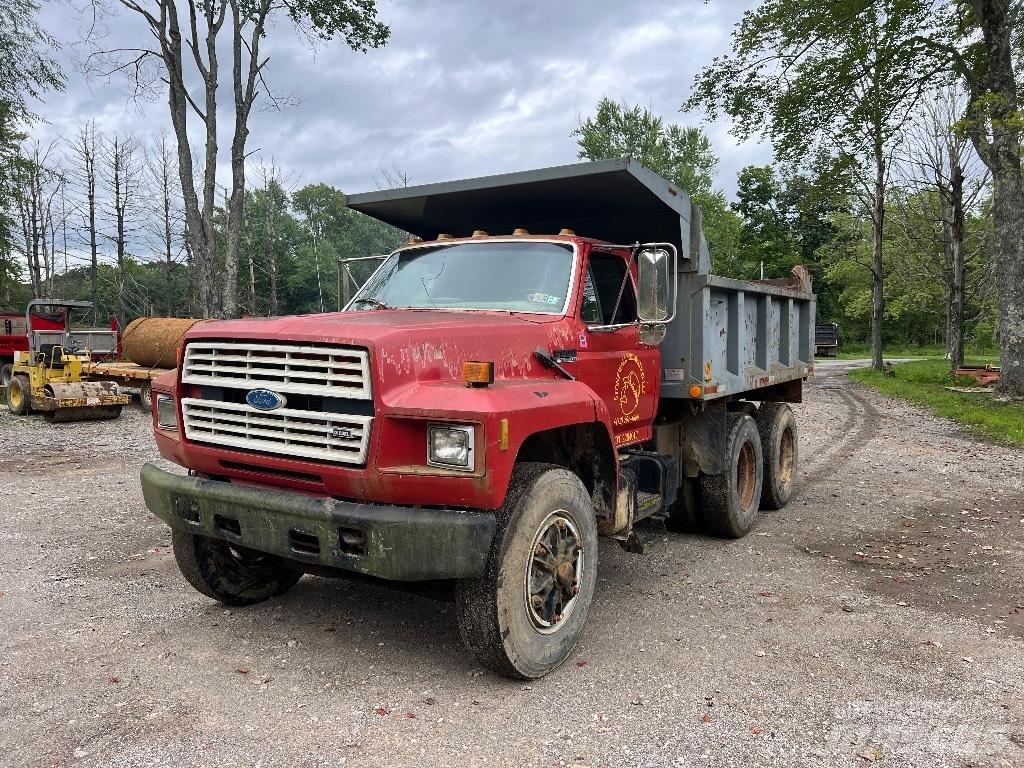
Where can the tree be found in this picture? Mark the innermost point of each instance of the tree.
(835, 78)
(122, 179)
(270, 203)
(944, 184)
(85, 152)
(27, 71)
(683, 155)
(180, 52)
(324, 210)
(38, 183)
(980, 42)
(166, 224)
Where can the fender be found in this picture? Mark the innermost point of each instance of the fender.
(528, 406)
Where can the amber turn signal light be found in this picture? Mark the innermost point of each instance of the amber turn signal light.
(696, 390)
(477, 374)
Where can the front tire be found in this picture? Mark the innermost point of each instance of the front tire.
(19, 395)
(231, 574)
(729, 502)
(524, 616)
(779, 446)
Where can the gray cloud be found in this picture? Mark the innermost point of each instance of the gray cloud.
(464, 88)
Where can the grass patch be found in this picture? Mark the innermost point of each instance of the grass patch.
(924, 381)
(857, 351)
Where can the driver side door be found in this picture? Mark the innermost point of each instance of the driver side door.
(610, 357)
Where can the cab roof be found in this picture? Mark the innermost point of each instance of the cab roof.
(617, 201)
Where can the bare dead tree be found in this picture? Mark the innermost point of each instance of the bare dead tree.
(122, 178)
(940, 158)
(391, 177)
(185, 50)
(85, 152)
(39, 182)
(166, 226)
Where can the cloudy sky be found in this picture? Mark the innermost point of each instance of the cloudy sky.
(464, 87)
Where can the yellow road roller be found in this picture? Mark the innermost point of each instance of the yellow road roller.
(48, 377)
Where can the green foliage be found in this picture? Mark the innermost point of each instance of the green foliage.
(810, 75)
(925, 381)
(27, 68)
(353, 20)
(683, 155)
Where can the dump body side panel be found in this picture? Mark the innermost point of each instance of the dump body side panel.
(733, 336)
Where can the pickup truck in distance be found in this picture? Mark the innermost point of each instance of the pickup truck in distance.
(548, 360)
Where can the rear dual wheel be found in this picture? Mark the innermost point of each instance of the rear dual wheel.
(730, 501)
(779, 446)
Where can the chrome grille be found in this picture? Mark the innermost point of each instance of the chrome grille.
(287, 431)
(328, 371)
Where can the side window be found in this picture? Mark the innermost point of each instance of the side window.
(590, 312)
(605, 273)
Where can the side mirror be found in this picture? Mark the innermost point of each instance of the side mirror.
(654, 270)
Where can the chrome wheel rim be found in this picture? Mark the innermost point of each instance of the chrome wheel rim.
(554, 572)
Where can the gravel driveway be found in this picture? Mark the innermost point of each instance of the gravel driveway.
(879, 618)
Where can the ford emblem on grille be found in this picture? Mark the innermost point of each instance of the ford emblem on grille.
(265, 399)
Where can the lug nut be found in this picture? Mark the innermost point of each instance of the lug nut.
(540, 550)
(537, 601)
(560, 523)
(575, 588)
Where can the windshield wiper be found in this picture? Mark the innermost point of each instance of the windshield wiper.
(374, 302)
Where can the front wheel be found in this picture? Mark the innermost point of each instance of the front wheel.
(19, 395)
(231, 574)
(524, 616)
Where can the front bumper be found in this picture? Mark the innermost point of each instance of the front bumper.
(398, 543)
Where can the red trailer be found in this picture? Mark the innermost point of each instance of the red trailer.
(51, 325)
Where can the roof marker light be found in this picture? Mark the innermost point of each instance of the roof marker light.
(520, 231)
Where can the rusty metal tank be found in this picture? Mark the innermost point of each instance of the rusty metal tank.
(153, 341)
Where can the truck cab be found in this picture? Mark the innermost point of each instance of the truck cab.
(547, 360)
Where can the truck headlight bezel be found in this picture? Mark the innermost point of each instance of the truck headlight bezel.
(451, 446)
(166, 413)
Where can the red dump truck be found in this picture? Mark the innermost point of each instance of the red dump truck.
(548, 360)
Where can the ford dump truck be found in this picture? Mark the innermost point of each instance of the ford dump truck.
(548, 360)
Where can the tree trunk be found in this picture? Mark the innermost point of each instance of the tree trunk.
(877, 230)
(994, 105)
(271, 245)
(956, 296)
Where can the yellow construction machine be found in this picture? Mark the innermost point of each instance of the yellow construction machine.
(48, 377)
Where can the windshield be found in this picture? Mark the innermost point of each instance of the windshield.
(511, 276)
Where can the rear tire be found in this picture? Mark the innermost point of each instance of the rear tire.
(19, 394)
(779, 446)
(729, 502)
(524, 616)
(231, 574)
(146, 396)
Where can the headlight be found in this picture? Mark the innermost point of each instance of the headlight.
(166, 414)
(450, 446)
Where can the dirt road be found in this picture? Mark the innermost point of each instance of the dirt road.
(879, 618)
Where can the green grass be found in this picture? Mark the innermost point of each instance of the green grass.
(858, 351)
(924, 381)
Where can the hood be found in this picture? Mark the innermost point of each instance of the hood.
(421, 345)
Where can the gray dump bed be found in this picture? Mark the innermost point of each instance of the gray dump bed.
(729, 336)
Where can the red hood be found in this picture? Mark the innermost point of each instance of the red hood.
(422, 345)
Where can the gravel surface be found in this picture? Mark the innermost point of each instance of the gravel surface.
(879, 618)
